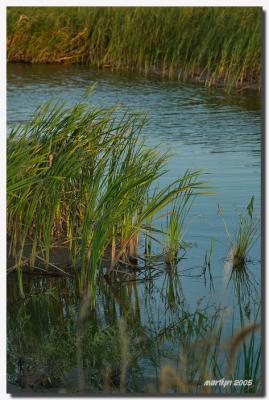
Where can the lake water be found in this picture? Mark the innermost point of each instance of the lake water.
(204, 130)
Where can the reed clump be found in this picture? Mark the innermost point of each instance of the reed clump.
(82, 179)
(176, 227)
(245, 236)
(213, 45)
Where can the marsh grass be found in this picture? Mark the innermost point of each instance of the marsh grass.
(176, 226)
(214, 45)
(245, 236)
(83, 180)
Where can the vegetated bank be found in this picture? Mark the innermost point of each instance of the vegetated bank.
(213, 45)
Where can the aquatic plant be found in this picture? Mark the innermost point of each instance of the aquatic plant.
(214, 45)
(244, 237)
(175, 226)
(78, 180)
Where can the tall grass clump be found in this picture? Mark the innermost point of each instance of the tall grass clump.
(245, 236)
(81, 180)
(214, 45)
(175, 226)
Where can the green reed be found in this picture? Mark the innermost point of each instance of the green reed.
(214, 45)
(245, 236)
(82, 179)
(176, 226)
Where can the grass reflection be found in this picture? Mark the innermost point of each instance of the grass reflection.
(126, 344)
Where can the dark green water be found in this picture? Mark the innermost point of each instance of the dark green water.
(163, 317)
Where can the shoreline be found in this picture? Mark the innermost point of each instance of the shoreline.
(154, 72)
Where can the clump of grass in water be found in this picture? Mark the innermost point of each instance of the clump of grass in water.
(175, 228)
(245, 237)
(80, 178)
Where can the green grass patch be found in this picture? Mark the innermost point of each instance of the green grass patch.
(214, 45)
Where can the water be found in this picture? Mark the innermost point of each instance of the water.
(204, 130)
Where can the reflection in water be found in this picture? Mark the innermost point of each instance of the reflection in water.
(247, 308)
(127, 343)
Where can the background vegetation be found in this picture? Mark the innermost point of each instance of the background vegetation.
(214, 45)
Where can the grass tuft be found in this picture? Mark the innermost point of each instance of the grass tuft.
(245, 236)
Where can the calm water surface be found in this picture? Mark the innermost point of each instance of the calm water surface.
(204, 130)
